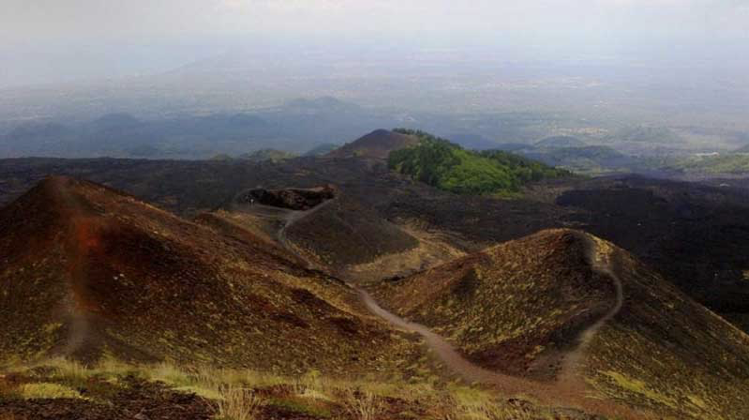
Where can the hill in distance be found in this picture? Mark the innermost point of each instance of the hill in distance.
(448, 166)
(575, 311)
(585, 159)
(579, 157)
(560, 142)
(375, 145)
(267, 155)
(321, 149)
(731, 164)
(473, 141)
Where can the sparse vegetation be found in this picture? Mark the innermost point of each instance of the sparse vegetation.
(499, 306)
(513, 309)
(474, 404)
(225, 394)
(362, 405)
(45, 390)
(238, 404)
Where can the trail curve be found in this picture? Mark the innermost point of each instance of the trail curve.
(569, 387)
(601, 263)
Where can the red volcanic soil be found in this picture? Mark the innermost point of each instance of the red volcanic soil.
(88, 271)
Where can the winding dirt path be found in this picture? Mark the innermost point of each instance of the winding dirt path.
(570, 386)
(569, 378)
(447, 353)
(472, 372)
(602, 264)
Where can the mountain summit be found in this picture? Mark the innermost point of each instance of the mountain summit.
(375, 145)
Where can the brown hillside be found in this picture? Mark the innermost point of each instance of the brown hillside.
(375, 145)
(547, 307)
(345, 232)
(88, 272)
(333, 232)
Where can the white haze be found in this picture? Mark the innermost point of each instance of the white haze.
(46, 41)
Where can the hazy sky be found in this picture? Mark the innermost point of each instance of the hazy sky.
(84, 20)
(160, 33)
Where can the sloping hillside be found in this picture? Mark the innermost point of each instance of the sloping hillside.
(585, 159)
(448, 166)
(375, 145)
(345, 232)
(268, 155)
(89, 272)
(549, 307)
(713, 165)
(328, 227)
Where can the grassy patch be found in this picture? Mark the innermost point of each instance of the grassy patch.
(363, 405)
(238, 404)
(639, 387)
(302, 405)
(249, 395)
(46, 390)
(473, 404)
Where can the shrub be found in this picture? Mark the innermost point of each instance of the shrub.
(362, 405)
(238, 404)
(47, 391)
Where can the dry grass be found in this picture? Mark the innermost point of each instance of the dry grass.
(208, 382)
(238, 404)
(363, 405)
(70, 369)
(495, 412)
(463, 403)
(233, 392)
(47, 391)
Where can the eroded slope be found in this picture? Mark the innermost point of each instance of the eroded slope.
(88, 272)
